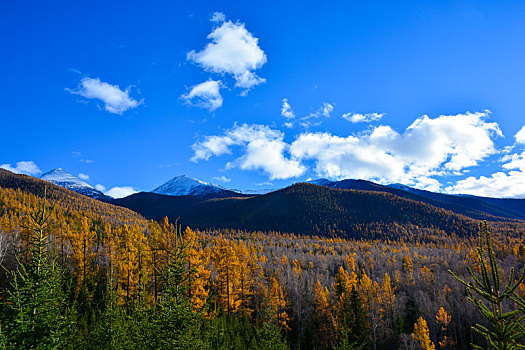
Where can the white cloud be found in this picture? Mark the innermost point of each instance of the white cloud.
(205, 95)
(84, 177)
(510, 182)
(263, 148)
(499, 184)
(428, 147)
(27, 167)
(358, 117)
(120, 192)
(218, 17)
(344, 157)
(286, 110)
(232, 50)
(520, 135)
(100, 187)
(115, 100)
(222, 178)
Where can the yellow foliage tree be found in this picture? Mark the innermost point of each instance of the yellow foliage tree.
(199, 274)
(323, 317)
(277, 303)
(422, 335)
(82, 241)
(227, 265)
(443, 319)
(131, 262)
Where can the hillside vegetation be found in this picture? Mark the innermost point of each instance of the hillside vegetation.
(116, 280)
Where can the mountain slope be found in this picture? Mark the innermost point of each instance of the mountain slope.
(62, 178)
(309, 209)
(187, 186)
(67, 200)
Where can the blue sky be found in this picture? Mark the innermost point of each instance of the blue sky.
(261, 95)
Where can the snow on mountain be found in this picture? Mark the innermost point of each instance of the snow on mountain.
(62, 178)
(254, 192)
(321, 182)
(184, 186)
(399, 186)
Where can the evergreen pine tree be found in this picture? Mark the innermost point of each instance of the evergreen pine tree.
(268, 333)
(177, 324)
(506, 327)
(354, 327)
(35, 315)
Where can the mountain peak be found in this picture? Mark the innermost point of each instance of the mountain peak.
(184, 185)
(62, 178)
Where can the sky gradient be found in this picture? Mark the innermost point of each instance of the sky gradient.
(262, 95)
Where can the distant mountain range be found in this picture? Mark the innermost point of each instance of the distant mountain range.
(347, 207)
(472, 206)
(307, 209)
(322, 206)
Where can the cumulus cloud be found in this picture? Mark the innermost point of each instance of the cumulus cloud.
(365, 118)
(115, 100)
(205, 95)
(343, 157)
(520, 135)
(84, 177)
(499, 184)
(509, 183)
(263, 149)
(27, 167)
(286, 110)
(232, 50)
(428, 147)
(121, 192)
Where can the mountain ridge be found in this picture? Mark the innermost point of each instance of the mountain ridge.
(311, 209)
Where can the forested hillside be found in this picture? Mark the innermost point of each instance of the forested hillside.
(115, 280)
(312, 209)
(472, 206)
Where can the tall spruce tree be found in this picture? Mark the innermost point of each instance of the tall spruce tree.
(354, 328)
(178, 325)
(489, 294)
(268, 334)
(36, 315)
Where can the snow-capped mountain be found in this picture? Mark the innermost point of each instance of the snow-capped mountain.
(187, 186)
(62, 178)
